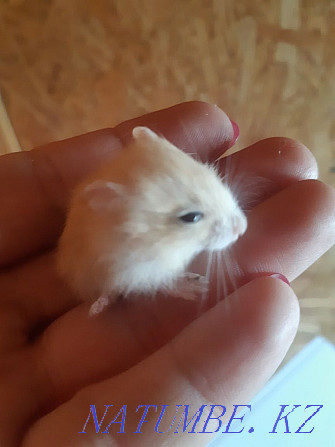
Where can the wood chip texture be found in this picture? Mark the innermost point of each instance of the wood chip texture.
(68, 67)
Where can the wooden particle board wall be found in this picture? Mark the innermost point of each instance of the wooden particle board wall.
(68, 67)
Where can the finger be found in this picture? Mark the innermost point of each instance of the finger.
(286, 234)
(266, 167)
(35, 185)
(197, 128)
(289, 231)
(222, 358)
(257, 161)
(285, 245)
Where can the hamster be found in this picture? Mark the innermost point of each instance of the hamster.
(134, 225)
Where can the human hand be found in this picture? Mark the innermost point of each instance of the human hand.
(56, 362)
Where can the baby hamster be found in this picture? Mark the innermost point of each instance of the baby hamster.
(135, 224)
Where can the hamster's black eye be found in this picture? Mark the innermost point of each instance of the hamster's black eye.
(191, 217)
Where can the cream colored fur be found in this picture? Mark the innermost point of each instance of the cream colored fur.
(122, 233)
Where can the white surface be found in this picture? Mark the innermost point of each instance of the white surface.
(308, 379)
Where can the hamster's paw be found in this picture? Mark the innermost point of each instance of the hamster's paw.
(98, 306)
(191, 287)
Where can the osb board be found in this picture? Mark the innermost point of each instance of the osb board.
(8, 138)
(67, 67)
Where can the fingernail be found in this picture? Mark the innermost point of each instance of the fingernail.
(279, 276)
(236, 130)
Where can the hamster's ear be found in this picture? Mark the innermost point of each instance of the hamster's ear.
(144, 133)
(100, 194)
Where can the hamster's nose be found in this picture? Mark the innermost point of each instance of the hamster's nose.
(239, 225)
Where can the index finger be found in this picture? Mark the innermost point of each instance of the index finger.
(35, 185)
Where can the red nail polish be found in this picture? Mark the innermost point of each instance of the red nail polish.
(236, 130)
(279, 276)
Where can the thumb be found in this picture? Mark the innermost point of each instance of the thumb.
(222, 358)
